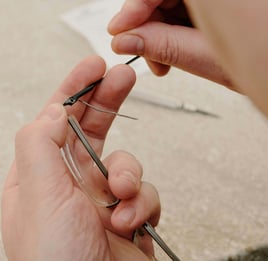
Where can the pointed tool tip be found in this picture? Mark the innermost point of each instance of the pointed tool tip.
(70, 101)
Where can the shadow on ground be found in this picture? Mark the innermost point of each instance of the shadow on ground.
(257, 254)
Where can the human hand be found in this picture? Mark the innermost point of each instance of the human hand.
(159, 31)
(45, 216)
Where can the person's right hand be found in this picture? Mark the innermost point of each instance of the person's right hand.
(161, 31)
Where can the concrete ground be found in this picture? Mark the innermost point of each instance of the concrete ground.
(211, 174)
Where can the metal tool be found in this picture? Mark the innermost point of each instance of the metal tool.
(169, 103)
(73, 99)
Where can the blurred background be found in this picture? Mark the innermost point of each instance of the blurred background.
(211, 173)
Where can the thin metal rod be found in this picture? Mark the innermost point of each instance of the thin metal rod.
(151, 231)
(74, 98)
(132, 60)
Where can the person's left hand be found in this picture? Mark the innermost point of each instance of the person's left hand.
(45, 216)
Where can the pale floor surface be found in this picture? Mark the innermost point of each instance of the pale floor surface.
(211, 174)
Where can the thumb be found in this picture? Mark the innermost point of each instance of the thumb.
(164, 45)
(157, 42)
(38, 157)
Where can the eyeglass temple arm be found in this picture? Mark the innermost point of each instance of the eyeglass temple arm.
(151, 231)
(74, 98)
(147, 226)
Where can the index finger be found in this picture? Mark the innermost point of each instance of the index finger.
(132, 14)
(87, 71)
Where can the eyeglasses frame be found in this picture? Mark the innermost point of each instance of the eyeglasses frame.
(78, 131)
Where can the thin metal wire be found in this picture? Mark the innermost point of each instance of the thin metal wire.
(107, 111)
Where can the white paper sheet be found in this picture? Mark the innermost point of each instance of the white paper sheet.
(91, 21)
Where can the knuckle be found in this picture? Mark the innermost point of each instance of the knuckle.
(122, 163)
(170, 54)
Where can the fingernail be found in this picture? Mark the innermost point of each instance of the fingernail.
(131, 44)
(53, 112)
(127, 215)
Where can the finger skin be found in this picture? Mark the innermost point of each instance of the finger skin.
(132, 14)
(109, 95)
(87, 71)
(46, 206)
(136, 12)
(139, 200)
(38, 143)
(132, 213)
(178, 46)
(37, 204)
(240, 42)
(163, 45)
(125, 174)
(128, 252)
(41, 170)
